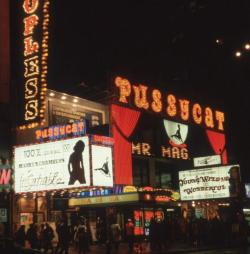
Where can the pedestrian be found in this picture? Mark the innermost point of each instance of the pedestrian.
(114, 237)
(20, 236)
(63, 238)
(100, 230)
(130, 234)
(82, 238)
(48, 236)
(32, 236)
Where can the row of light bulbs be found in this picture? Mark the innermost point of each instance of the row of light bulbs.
(63, 97)
(237, 53)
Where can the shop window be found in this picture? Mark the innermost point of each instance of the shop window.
(140, 172)
(163, 176)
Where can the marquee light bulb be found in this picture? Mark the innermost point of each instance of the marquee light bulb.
(238, 54)
(247, 46)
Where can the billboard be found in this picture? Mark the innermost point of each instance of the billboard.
(210, 183)
(52, 165)
(102, 165)
(247, 189)
(207, 160)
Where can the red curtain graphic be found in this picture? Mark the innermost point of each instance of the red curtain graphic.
(124, 121)
(218, 142)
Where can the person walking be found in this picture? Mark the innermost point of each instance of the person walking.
(82, 238)
(32, 236)
(63, 238)
(20, 236)
(48, 236)
(130, 234)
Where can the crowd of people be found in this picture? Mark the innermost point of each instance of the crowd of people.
(221, 232)
(163, 233)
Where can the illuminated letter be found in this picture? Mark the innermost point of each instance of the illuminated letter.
(80, 126)
(30, 47)
(74, 128)
(45, 133)
(31, 88)
(5, 176)
(184, 153)
(175, 152)
(197, 113)
(30, 6)
(141, 96)
(220, 118)
(62, 130)
(31, 108)
(31, 67)
(209, 120)
(68, 129)
(136, 148)
(50, 132)
(56, 131)
(156, 104)
(146, 149)
(125, 88)
(184, 105)
(38, 134)
(29, 23)
(165, 152)
(171, 108)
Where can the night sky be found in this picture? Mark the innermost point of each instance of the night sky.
(166, 44)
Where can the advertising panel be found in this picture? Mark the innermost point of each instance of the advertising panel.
(207, 161)
(247, 189)
(52, 165)
(210, 183)
(102, 165)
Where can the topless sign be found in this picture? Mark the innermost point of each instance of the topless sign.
(62, 164)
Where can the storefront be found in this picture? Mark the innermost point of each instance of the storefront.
(6, 195)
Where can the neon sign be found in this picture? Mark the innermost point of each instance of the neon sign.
(35, 59)
(173, 152)
(60, 131)
(5, 176)
(141, 97)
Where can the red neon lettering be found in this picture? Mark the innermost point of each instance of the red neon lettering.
(29, 23)
(30, 46)
(30, 6)
(5, 176)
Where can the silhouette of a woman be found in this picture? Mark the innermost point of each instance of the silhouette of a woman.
(105, 168)
(75, 165)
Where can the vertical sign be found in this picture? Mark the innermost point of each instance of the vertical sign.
(35, 42)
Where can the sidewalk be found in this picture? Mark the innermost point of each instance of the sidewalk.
(123, 249)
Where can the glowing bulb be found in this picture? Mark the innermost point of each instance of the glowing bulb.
(52, 94)
(247, 46)
(238, 54)
(75, 100)
(63, 97)
(218, 41)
